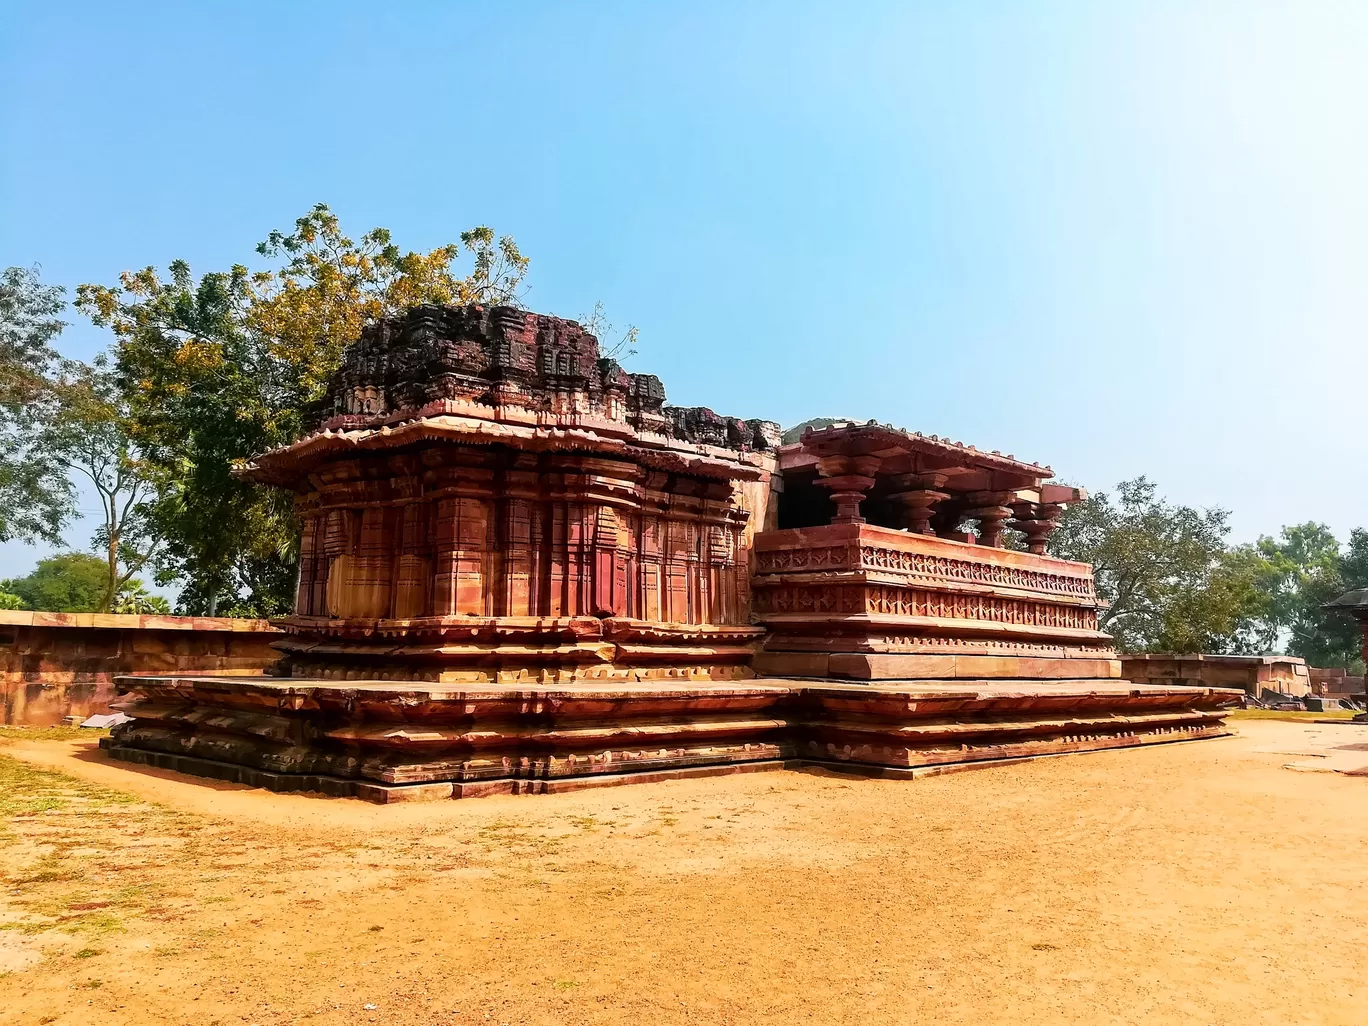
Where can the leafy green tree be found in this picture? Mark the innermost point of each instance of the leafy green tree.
(135, 599)
(71, 582)
(219, 368)
(1306, 569)
(1164, 569)
(36, 498)
(86, 436)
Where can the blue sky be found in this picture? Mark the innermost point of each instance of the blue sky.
(1117, 238)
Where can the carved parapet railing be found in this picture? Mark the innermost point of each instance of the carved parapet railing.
(855, 600)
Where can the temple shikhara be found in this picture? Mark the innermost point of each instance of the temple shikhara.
(522, 571)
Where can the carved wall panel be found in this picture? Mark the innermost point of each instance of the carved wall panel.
(867, 590)
(484, 534)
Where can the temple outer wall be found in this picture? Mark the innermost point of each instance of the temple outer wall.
(55, 665)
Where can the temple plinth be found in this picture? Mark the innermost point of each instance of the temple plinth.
(521, 571)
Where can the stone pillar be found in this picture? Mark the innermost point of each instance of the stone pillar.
(946, 519)
(313, 567)
(848, 477)
(651, 542)
(413, 568)
(991, 510)
(919, 499)
(340, 531)
(990, 520)
(462, 543)
(516, 593)
(372, 570)
(1037, 521)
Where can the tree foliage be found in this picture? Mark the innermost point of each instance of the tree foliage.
(75, 582)
(221, 367)
(85, 435)
(71, 582)
(36, 499)
(1165, 570)
(1304, 568)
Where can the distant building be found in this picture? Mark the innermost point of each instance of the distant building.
(1287, 675)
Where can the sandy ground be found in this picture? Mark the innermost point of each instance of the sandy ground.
(1189, 883)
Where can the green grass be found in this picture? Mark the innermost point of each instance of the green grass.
(62, 733)
(1295, 717)
(57, 732)
(28, 791)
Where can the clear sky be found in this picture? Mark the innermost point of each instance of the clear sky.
(1117, 238)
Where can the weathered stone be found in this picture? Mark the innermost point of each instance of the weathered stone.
(59, 665)
(521, 572)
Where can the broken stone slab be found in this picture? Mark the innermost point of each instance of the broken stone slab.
(105, 721)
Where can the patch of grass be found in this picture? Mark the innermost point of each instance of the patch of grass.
(60, 733)
(566, 984)
(27, 929)
(95, 924)
(26, 791)
(1295, 717)
(49, 869)
(87, 953)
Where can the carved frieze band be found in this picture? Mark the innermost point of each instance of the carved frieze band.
(877, 641)
(897, 601)
(922, 565)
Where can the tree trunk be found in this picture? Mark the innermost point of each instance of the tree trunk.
(113, 571)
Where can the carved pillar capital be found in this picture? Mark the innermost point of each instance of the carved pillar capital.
(848, 478)
(1037, 521)
(920, 504)
(990, 520)
(991, 510)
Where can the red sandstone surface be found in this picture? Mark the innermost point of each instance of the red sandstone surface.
(492, 503)
(1167, 885)
(54, 665)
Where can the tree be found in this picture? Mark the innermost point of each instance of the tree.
(86, 436)
(72, 582)
(1306, 568)
(36, 499)
(218, 369)
(1164, 569)
(135, 599)
(75, 582)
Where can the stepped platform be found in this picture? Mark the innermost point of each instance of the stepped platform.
(391, 741)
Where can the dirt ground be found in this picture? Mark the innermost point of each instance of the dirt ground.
(1188, 883)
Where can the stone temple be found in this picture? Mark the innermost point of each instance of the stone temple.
(521, 571)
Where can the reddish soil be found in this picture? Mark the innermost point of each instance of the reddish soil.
(1190, 883)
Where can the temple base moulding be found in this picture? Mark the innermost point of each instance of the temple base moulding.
(392, 741)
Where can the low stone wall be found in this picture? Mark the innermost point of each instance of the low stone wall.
(1286, 675)
(55, 665)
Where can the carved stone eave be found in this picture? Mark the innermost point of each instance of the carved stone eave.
(483, 425)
